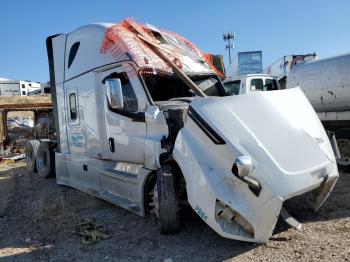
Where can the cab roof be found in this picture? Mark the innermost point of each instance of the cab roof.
(96, 45)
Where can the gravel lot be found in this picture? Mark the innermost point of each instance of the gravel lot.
(38, 218)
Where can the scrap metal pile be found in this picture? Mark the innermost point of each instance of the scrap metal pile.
(22, 119)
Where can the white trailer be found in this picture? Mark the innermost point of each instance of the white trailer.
(29, 88)
(326, 83)
(245, 63)
(144, 122)
(19, 88)
(281, 68)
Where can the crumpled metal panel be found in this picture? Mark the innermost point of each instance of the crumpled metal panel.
(122, 42)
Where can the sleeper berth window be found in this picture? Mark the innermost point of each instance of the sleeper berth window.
(73, 106)
(72, 53)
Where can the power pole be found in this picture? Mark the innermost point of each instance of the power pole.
(227, 37)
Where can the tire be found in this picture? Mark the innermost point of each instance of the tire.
(168, 201)
(31, 151)
(45, 160)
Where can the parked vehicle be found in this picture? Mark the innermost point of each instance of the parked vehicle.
(145, 123)
(249, 83)
(282, 66)
(246, 63)
(18, 88)
(326, 83)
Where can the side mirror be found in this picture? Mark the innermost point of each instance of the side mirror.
(252, 88)
(244, 166)
(114, 93)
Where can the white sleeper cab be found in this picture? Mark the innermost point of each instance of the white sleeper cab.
(143, 121)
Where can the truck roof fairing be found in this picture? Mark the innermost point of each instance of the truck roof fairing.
(105, 43)
(122, 41)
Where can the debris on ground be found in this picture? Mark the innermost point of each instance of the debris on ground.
(15, 158)
(11, 155)
(91, 232)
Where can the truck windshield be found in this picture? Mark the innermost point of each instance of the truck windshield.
(163, 87)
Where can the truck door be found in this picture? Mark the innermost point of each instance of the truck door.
(126, 126)
(76, 138)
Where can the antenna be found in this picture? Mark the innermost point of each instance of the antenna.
(227, 37)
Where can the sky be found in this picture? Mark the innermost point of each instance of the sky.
(276, 27)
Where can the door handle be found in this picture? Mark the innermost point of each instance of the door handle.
(111, 144)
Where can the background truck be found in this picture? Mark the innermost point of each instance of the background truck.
(246, 63)
(145, 123)
(284, 65)
(245, 75)
(249, 83)
(326, 83)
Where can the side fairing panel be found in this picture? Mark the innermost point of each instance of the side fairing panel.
(61, 110)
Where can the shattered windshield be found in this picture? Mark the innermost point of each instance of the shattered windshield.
(163, 87)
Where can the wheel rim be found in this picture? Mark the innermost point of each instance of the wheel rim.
(155, 201)
(42, 160)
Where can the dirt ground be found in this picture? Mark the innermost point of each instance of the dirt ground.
(38, 218)
(25, 99)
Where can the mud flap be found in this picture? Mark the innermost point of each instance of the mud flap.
(289, 219)
(320, 194)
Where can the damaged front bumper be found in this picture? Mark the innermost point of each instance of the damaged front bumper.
(230, 207)
(206, 150)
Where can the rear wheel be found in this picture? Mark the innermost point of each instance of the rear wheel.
(167, 201)
(45, 160)
(31, 151)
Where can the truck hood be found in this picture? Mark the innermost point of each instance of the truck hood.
(290, 151)
(281, 123)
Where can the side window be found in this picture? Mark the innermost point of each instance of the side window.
(233, 87)
(258, 83)
(270, 84)
(72, 53)
(130, 103)
(73, 107)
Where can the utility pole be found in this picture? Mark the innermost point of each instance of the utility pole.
(227, 37)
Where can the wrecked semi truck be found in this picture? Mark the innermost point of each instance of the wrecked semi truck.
(145, 123)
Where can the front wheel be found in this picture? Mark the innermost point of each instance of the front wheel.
(167, 200)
